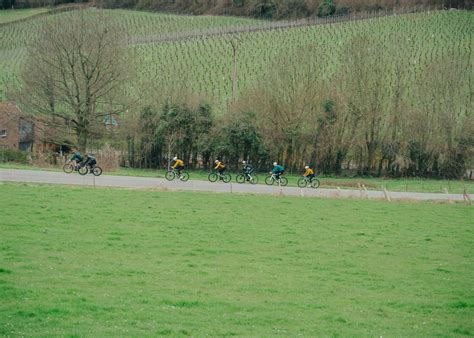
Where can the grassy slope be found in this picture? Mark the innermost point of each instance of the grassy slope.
(120, 262)
(130, 23)
(18, 14)
(203, 65)
(405, 184)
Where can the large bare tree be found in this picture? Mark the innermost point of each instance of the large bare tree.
(75, 73)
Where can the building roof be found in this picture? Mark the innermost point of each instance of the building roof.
(10, 110)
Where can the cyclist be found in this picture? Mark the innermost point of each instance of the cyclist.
(247, 170)
(77, 157)
(278, 170)
(309, 173)
(90, 161)
(219, 166)
(178, 165)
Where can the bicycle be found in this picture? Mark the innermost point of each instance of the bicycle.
(180, 175)
(214, 176)
(304, 181)
(241, 178)
(71, 166)
(270, 180)
(95, 170)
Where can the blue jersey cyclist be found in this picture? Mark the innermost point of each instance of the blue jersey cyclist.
(76, 156)
(278, 170)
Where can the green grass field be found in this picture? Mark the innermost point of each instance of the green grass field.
(110, 262)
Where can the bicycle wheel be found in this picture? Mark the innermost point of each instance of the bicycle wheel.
(283, 181)
(170, 175)
(253, 180)
(97, 171)
(83, 170)
(240, 178)
(315, 183)
(184, 177)
(68, 168)
(212, 177)
(269, 180)
(226, 178)
(302, 182)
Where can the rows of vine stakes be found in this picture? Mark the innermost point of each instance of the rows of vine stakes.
(203, 64)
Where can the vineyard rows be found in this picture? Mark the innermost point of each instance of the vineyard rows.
(202, 62)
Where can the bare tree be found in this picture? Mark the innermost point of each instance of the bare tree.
(287, 104)
(75, 72)
(368, 93)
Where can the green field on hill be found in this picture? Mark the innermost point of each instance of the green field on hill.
(203, 65)
(112, 262)
(12, 15)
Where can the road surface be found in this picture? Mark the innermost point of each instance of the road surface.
(49, 177)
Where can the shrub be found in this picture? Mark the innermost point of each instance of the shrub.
(10, 155)
(107, 158)
(326, 8)
(342, 11)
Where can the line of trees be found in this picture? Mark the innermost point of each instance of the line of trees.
(17, 4)
(276, 9)
(266, 9)
(357, 120)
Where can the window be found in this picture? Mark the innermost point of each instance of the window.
(3, 133)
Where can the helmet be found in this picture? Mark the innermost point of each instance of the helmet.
(306, 166)
(175, 158)
(243, 162)
(274, 163)
(216, 161)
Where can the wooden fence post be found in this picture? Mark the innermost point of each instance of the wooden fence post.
(387, 197)
(467, 199)
(366, 192)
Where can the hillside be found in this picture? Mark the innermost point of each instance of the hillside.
(204, 65)
(384, 94)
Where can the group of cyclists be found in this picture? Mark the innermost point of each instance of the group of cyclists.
(89, 161)
(247, 169)
(82, 164)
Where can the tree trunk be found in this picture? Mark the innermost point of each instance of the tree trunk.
(82, 138)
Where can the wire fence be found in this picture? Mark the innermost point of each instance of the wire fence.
(283, 24)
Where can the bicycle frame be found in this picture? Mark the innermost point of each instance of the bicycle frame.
(276, 178)
(176, 172)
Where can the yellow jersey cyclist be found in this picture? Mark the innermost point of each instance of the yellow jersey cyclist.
(219, 166)
(308, 179)
(309, 173)
(178, 165)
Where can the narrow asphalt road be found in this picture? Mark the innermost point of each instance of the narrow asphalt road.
(49, 177)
